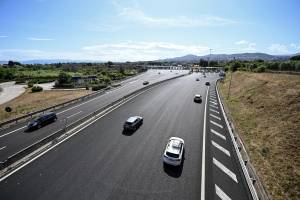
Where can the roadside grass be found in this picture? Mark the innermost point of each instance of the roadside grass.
(265, 109)
(29, 102)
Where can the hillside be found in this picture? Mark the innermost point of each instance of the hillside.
(228, 57)
(266, 111)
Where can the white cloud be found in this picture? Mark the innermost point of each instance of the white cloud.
(295, 46)
(135, 51)
(246, 45)
(39, 39)
(125, 51)
(3, 36)
(137, 15)
(278, 48)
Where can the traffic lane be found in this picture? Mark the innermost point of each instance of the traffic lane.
(70, 115)
(102, 163)
(222, 161)
(151, 75)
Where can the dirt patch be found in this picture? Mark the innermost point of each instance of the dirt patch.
(29, 102)
(266, 112)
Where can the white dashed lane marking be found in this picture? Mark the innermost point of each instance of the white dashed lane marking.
(1, 148)
(214, 116)
(220, 148)
(225, 170)
(216, 124)
(218, 134)
(221, 194)
(212, 110)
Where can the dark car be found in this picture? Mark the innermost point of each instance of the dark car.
(145, 82)
(133, 123)
(198, 98)
(207, 83)
(42, 121)
(197, 79)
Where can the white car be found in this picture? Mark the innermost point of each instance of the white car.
(174, 151)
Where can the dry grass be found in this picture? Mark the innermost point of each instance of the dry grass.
(266, 111)
(28, 102)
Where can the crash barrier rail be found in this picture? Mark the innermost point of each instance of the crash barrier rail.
(54, 137)
(258, 192)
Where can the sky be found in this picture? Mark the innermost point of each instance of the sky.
(135, 30)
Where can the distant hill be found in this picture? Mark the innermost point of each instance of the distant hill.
(228, 57)
(51, 61)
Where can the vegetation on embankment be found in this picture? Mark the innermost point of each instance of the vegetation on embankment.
(29, 102)
(266, 112)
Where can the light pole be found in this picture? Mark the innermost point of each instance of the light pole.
(209, 57)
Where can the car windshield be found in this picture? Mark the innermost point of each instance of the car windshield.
(173, 155)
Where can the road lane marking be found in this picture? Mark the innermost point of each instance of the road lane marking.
(213, 102)
(74, 114)
(213, 106)
(220, 148)
(214, 111)
(12, 131)
(203, 151)
(215, 123)
(215, 116)
(225, 169)
(218, 134)
(221, 194)
(2, 148)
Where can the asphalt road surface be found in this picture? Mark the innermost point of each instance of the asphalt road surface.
(16, 138)
(103, 162)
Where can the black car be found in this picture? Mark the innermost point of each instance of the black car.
(42, 121)
(145, 82)
(197, 79)
(133, 123)
(198, 98)
(207, 83)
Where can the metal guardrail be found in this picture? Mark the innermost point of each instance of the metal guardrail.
(22, 153)
(256, 188)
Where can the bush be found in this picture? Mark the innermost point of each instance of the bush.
(30, 84)
(260, 69)
(98, 87)
(36, 88)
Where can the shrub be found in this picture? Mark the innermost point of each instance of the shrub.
(30, 84)
(36, 88)
(260, 69)
(98, 87)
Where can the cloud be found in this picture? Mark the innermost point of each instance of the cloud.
(138, 16)
(3, 36)
(295, 46)
(104, 28)
(39, 39)
(278, 48)
(124, 51)
(246, 45)
(135, 51)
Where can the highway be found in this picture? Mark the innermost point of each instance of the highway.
(16, 138)
(102, 162)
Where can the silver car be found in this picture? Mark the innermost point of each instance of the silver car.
(174, 151)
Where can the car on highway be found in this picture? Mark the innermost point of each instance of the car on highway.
(197, 79)
(204, 76)
(173, 154)
(198, 98)
(207, 83)
(145, 82)
(42, 120)
(133, 123)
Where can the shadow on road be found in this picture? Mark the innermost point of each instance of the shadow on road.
(128, 132)
(174, 171)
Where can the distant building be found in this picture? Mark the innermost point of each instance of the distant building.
(82, 80)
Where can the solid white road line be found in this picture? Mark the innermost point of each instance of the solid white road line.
(214, 111)
(225, 169)
(221, 194)
(74, 114)
(220, 148)
(1, 148)
(203, 151)
(218, 134)
(12, 131)
(215, 116)
(215, 123)
(213, 106)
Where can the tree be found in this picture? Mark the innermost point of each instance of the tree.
(297, 57)
(235, 66)
(203, 63)
(64, 78)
